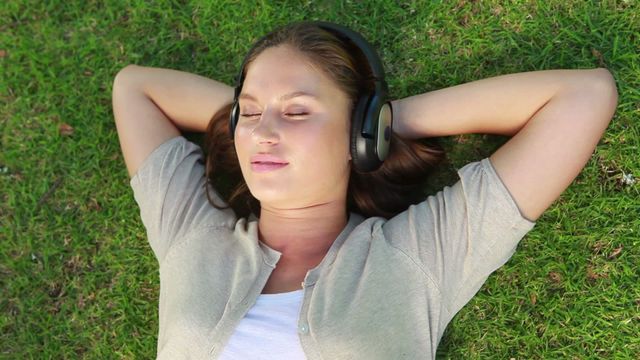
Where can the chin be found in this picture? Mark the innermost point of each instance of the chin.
(278, 200)
(267, 195)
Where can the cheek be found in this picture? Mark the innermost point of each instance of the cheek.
(328, 149)
(242, 146)
(241, 139)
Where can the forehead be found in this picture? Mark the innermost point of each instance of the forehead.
(280, 70)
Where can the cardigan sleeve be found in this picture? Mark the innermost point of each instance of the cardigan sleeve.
(462, 234)
(169, 188)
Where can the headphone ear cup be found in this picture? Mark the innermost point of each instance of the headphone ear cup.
(358, 142)
(378, 120)
(233, 118)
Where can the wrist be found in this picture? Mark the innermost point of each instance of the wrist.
(399, 125)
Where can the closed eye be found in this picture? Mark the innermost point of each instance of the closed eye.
(299, 114)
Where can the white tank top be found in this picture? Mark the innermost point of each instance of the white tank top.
(269, 330)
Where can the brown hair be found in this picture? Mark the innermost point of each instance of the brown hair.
(385, 192)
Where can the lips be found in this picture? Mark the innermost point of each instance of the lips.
(267, 163)
(267, 159)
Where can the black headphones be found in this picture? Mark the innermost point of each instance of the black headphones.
(372, 117)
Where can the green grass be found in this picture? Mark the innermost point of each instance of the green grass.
(77, 277)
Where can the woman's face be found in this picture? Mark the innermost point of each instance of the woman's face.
(310, 132)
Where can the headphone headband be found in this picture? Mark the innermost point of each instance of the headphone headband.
(367, 50)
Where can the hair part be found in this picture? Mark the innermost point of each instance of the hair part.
(391, 189)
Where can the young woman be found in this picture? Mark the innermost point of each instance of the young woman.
(306, 257)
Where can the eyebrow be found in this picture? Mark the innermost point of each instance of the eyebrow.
(281, 98)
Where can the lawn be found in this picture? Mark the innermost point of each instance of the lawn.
(78, 279)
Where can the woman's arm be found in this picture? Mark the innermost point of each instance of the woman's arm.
(187, 99)
(556, 118)
(151, 105)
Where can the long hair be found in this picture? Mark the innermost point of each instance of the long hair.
(389, 190)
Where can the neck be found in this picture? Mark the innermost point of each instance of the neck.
(304, 235)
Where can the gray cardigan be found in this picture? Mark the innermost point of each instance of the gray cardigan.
(385, 290)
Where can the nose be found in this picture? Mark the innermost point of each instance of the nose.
(266, 129)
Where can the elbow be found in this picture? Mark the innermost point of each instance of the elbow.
(122, 86)
(605, 86)
(125, 81)
(122, 74)
(127, 76)
(607, 82)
